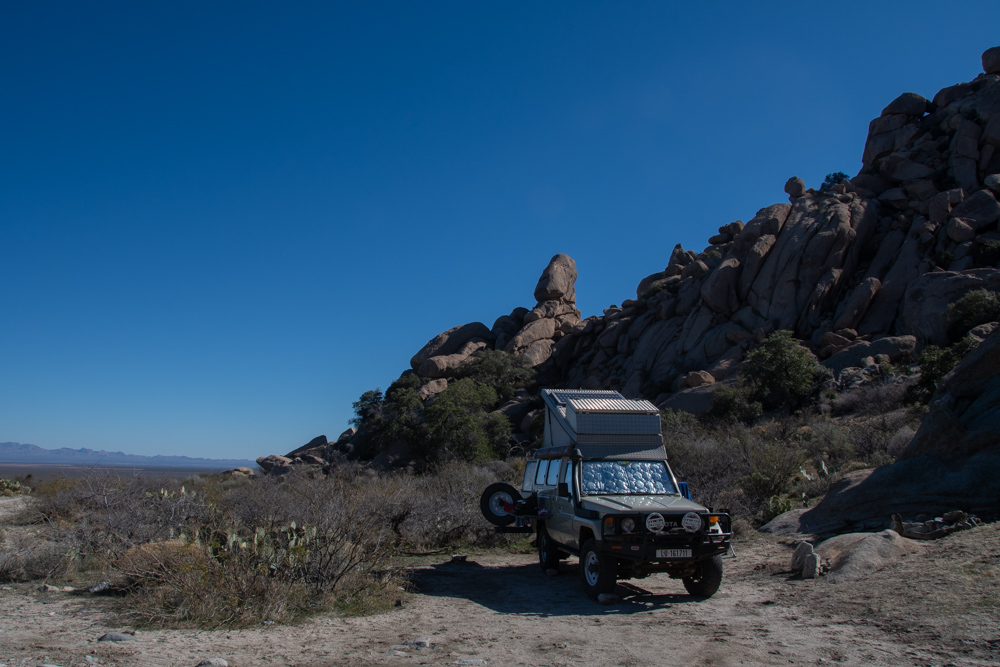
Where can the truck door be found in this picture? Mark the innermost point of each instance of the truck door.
(562, 516)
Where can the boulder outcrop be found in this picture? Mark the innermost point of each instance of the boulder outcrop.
(864, 268)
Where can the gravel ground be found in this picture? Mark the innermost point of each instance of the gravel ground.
(939, 605)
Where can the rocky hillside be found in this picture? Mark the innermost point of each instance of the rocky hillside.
(864, 267)
(952, 462)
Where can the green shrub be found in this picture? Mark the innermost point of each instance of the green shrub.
(12, 488)
(458, 423)
(943, 258)
(833, 179)
(734, 405)
(935, 363)
(383, 420)
(772, 467)
(505, 373)
(677, 420)
(985, 253)
(671, 285)
(775, 506)
(974, 308)
(460, 426)
(780, 373)
(659, 286)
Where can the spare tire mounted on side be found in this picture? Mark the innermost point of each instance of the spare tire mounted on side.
(497, 503)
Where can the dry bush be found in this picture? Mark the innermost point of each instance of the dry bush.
(875, 398)
(233, 551)
(441, 509)
(218, 551)
(758, 471)
(181, 584)
(38, 554)
(732, 467)
(879, 440)
(272, 549)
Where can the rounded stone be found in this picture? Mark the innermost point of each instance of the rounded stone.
(991, 60)
(795, 187)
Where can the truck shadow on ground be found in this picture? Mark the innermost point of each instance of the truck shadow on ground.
(526, 590)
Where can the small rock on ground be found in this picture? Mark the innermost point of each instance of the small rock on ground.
(115, 637)
(607, 598)
(99, 587)
(49, 588)
(802, 551)
(213, 662)
(812, 567)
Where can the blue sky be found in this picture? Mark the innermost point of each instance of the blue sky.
(221, 222)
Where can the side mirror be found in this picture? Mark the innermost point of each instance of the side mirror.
(685, 491)
(563, 490)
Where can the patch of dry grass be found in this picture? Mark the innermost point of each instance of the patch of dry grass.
(222, 551)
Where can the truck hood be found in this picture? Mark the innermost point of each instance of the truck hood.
(640, 504)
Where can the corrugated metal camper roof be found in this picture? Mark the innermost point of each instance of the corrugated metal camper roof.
(598, 400)
(602, 423)
(617, 405)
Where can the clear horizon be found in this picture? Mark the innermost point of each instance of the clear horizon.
(221, 224)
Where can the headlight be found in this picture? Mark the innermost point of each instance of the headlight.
(628, 525)
(691, 522)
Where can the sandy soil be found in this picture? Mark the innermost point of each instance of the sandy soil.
(937, 606)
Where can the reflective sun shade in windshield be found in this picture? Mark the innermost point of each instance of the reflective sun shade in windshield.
(626, 477)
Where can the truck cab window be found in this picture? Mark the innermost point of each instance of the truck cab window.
(568, 475)
(543, 468)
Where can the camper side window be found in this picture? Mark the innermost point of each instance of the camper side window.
(553, 477)
(543, 468)
(529, 476)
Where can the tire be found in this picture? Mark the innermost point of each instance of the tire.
(598, 572)
(548, 555)
(707, 581)
(492, 501)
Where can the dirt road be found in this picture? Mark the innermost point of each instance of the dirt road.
(938, 606)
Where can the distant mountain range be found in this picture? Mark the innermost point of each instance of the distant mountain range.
(15, 452)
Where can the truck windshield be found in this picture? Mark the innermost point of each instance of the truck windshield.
(627, 478)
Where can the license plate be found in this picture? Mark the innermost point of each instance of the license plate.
(673, 553)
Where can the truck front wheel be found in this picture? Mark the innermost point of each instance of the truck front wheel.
(598, 572)
(707, 581)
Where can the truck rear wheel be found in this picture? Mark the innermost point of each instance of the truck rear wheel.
(494, 501)
(548, 554)
(707, 581)
(598, 572)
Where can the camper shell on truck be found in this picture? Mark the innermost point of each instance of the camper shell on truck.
(600, 488)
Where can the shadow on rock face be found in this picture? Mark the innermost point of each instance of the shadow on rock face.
(953, 462)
